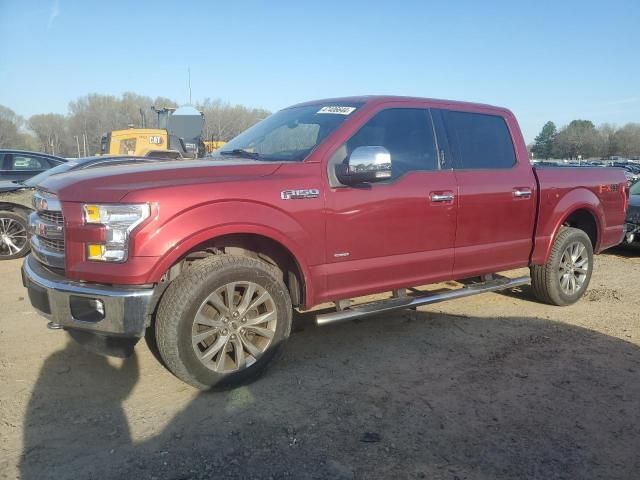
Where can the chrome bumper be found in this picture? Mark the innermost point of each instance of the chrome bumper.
(117, 311)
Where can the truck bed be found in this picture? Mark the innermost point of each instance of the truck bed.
(600, 192)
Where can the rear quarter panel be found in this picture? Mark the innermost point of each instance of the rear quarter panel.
(563, 191)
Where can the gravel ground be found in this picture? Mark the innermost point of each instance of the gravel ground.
(494, 386)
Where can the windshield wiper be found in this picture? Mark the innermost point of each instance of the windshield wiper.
(240, 152)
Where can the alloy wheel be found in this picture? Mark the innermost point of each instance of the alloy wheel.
(234, 326)
(13, 237)
(574, 268)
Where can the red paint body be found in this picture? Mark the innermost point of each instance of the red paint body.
(394, 236)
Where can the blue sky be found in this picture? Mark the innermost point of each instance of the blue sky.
(555, 60)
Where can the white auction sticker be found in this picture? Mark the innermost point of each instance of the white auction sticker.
(337, 109)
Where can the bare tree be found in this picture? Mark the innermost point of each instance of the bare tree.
(579, 138)
(11, 133)
(52, 134)
(628, 140)
(224, 121)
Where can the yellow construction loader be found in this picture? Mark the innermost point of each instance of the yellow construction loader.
(179, 135)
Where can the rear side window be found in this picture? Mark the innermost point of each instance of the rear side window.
(20, 162)
(480, 141)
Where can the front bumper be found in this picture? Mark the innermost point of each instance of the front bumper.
(93, 308)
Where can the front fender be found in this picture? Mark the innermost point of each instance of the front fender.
(172, 240)
(555, 209)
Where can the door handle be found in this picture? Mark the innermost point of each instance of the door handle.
(522, 193)
(442, 197)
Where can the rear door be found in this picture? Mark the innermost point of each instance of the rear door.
(399, 232)
(496, 194)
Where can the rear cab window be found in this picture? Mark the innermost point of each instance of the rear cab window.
(479, 140)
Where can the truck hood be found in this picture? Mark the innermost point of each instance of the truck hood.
(111, 184)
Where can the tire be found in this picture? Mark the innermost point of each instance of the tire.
(13, 235)
(551, 282)
(186, 343)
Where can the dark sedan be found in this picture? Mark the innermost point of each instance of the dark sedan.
(20, 165)
(15, 200)
(632, 225)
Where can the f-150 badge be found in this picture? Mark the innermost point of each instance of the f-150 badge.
(300, 194)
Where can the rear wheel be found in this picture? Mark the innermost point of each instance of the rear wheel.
(14, 241)
(565, 277)
(223, 320)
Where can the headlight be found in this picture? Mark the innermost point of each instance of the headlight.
(119, 221)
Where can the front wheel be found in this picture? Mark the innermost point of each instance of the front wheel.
(223, 320)
(565, 277)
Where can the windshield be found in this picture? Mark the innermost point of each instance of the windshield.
(63, 167)
(290, 134)
(635, 189)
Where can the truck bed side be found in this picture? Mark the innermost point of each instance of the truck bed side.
(593, 199)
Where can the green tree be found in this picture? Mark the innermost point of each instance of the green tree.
(543, 143)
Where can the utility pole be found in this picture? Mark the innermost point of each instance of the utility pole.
(77, 144)
(84, 143)
(189, 71)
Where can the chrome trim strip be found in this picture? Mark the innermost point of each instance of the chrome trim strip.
(52, 281)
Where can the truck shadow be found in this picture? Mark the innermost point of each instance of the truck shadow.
(624, 251)
(409, 395)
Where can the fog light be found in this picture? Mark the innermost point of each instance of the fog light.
(95, 251)
(86, 309)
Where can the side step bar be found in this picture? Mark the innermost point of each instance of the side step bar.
(383, 306)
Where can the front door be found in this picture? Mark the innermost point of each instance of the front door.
(397, 233)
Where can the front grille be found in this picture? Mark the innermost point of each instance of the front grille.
(51, 216)
(47, 230)
(52, 245)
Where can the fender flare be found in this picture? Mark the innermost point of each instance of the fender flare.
(578, 199)
(180, 247)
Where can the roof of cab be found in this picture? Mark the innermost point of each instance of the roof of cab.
(377, 99)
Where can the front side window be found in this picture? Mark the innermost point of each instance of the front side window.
(290, 134)
(480, 141)
(407, 133)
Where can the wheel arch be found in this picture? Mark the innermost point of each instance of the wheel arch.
(581, 209)
(14, 207)
(586, 220)
(249, 240)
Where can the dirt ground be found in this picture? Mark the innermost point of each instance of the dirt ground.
(494, 386)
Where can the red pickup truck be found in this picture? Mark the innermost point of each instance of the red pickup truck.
(321, 202)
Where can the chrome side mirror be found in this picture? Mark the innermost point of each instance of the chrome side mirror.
(365, 165)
